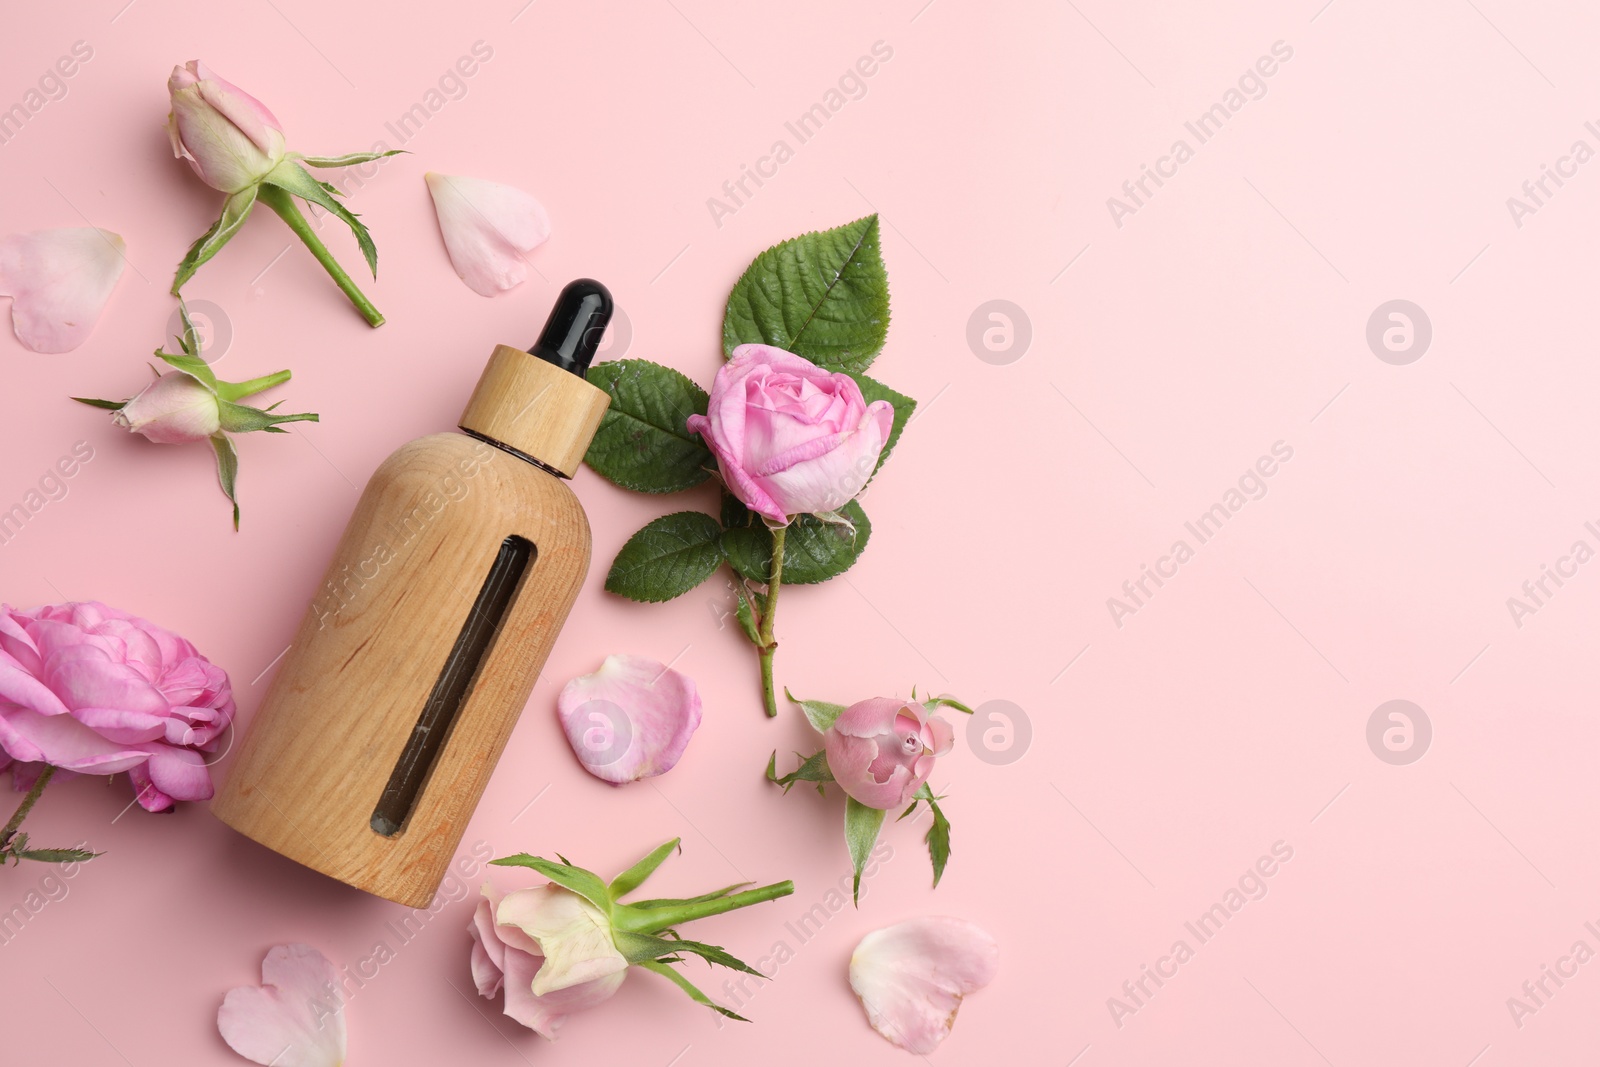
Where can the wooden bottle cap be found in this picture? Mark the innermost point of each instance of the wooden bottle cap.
(536, 408)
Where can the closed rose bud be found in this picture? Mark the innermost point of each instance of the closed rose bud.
(882, 750)
(228, 136)
(172, 410)
(790, 437)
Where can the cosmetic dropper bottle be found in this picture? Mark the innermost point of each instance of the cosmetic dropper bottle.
(423, 642)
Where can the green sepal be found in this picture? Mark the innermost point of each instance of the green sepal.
(688, 987)
(861, 826)
(293, 178)
(235, 210)
(815, 769)
(934, 703)
(241, 418)
(227, 470)
(586, 884)
(55, 855)
(819, 713)
(109, 405)
(349, 160)
(635, 876)
(938, 835)
(637, 948)
(678, 902)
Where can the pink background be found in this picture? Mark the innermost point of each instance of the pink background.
(1227, 313)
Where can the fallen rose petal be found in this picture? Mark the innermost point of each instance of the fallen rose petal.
(294, 1018)
(487, 227)
(58, 282)
(631, 719)
(911, 977)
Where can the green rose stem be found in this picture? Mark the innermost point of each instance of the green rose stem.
(280, 201)
(26, 806)
(641, 920)
(768, 616)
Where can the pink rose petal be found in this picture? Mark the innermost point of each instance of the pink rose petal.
(294, 1018)
(59, 282)
(487, 229)
(631, 719)
(911, 977)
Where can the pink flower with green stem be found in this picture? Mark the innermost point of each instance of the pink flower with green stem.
(237, 146)
(190, 403)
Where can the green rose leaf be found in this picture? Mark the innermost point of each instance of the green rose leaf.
(872, 389)
(643, 443)
(634, 876)
(821, 714)
(938, 835)
(824, 296)
(666, 971)
(667, 558)
(861, 826)
(813, 550)
(586, 884)
(814, 769)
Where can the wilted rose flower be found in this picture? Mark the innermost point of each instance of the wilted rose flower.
(85, 687)
(882, 750)
(228, 136)
(790, 437)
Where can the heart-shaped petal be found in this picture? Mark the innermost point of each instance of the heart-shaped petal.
(911, 977)
(59, 282)
(487, 229)
(631, 719)
(294, 1018)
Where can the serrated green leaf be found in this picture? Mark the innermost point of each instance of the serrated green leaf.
(824, 296)
(644, 443)
(235, 210)
(861, 826)
(814, 769)
(635, 876)
(938, 835)
(667, 558)
(904, 406)
(813, 550)
(688, 987)
(586, 884)
(819, 713)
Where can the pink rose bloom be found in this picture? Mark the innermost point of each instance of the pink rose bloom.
(567, 953)
(88, 688)
(882, 750)
(790, 437)
(172, 410)
(228, 136)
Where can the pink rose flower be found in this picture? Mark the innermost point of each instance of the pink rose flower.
(790, 437)
(506, 955)
(228, 136)
(174, 409)
(882, 750)
(85, 687)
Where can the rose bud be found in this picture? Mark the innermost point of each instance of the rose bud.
(882, 750)
(172, 410)
(790, 437)
(228, 136)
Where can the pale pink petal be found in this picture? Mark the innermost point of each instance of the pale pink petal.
(58, 282)
(573, 935)
(487, 229)
(631, 719)
(911, 977)
(295, 1018)
(545, 1014)
(181, 773)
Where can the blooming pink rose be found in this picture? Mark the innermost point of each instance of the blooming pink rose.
(172, 410)
(790, 437)
(86, 687)
(228, 136)
(882, 750)
(506, 955)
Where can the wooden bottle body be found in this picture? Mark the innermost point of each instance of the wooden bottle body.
(347, 696)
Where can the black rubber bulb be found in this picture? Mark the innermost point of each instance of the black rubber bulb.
(572, 333)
